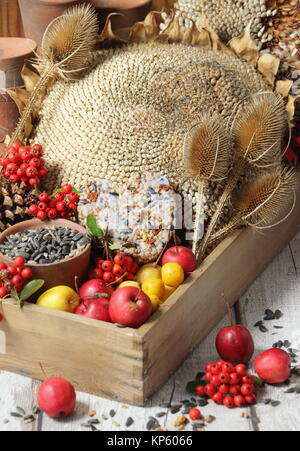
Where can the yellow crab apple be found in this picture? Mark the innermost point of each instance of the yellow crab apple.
(147, 271)
(60, 298)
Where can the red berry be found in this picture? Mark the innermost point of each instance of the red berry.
(21, 172)
(224, 389)
(42, 173)
(134, 268)
(130, 276)
(208, 376)
(3, 292)
(248, 380)
(72, 207)
(17, 280)
(52, 213)
(239, 401)
(241, 369)
(3, 266)
(61, 206)
(33, 181)
(37, 147)
(118, 270)
(227, 368)
(107, 266)
(42, 206)
(24, 179)
(12, 270)
(210, 390)
(33, 209)
(4, 162)
(195, 414)
(25, 155)
(120, 259)
(52, 203)
(43, 197)
(98, 262)
(12, 168)
(73, 197)
(234, 378)
(220, 364)
(250, 399)
(26, 273)
(234, 390)
(67, 189)
(14, 178)
(96, 273)
(31, 172)
(200, 390)
(228, 402)
(108, 277)
(59, 196)
(35, 162)
(215, 370)
(218, 398)
(19, 262)
(247, 389)
(215, 380)
(224, 378)
(14, 157)
(42, 215)
(16, 145)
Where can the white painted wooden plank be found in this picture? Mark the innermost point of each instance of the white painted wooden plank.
(277, 288)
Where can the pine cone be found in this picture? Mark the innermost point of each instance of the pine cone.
(14, 201)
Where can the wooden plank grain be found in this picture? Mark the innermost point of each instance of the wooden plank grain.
(278, 287)
(10, 19)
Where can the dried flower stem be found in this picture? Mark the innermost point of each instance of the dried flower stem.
(199, 215)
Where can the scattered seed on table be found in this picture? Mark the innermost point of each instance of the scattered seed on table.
(129, 422)
(263, 329)
(124, 406)
(175, 409)
(114, 423)
(20, 410)
(278, 314)
(160, 414)
(202, 402)
(165, 405)
(104, 417)
(94, 421)
(269, 315)
(209, 419)
(290, 390)
(152, 424)
(28, 419)
(275, 403)
(258, 324)
(286, 344)
(112, 413)
(16, 415)
(86, 425)
(278, 327)
(267, 401)
(92, 413)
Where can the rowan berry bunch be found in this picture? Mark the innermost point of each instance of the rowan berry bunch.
(24, 164)
(229, 385)
(63, 204)
(114, 271)
(13, 276)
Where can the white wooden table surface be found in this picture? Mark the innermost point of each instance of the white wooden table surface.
(277, 288)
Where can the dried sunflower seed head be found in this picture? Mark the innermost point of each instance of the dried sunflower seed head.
(259, 129)
(268, 198)
(207, 149)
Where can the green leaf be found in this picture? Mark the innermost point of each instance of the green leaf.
(93, 227)
(115, 247)
(191, 386)
(57, 190)
(96, 296)
(32, 287)
(258, 382)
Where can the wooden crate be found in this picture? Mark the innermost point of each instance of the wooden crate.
(130, 365)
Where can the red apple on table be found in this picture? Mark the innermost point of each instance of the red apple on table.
(235, 344)
(273, 366)
(56, 397)
(95, 309)
(183, 256)
(130, 307)
(92, 289)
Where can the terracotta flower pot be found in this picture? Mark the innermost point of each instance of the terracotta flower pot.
(131, 11)
(61, 273)
(37, 14)
(13, 53)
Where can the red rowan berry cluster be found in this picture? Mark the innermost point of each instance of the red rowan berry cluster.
(229, 385)
(13, 276)
(24, 164)
(120, 269)
(63, 204)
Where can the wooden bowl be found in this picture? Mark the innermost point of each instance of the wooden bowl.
(60, 273)
(13, 53)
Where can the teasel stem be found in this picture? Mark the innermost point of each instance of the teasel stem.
(236, 173)
(199, 214)
(233, 225)
(44, 79)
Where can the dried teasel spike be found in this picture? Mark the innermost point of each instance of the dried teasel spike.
(259, 128)
(207, 157)
(258, 132)
(65, 47)
(263, 203)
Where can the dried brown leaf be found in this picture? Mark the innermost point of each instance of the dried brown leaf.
(30, 78)
(268, 66)
(245, 47)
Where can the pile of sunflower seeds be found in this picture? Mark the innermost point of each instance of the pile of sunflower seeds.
(45, 245)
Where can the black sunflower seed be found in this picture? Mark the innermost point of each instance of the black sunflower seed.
(129, 422)
(259, 323)
(86, 425)
(152, 424)
(267, 401)
(263, 329)
(286, 344)
(16, 415)
(112, 413)
(20, 410)
(278, 327)
(202, 402)
(290, 390)
(94, 421)
(175, 409)
(160, 414)
(275, 403)
(278, 314)
(269, 315)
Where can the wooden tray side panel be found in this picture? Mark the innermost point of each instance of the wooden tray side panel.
(199, 304)
(96, 357)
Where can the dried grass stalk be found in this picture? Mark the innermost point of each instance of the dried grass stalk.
(207, 157)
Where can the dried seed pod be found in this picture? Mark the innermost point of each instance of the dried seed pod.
(259, 129)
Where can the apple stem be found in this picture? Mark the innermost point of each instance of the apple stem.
(76, 283)
(163, 251)
(229, 311)
(175, 238)
(118, 280)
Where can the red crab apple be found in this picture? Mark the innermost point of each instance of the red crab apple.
(235, 344)
(92, 288)
(273, 366)
(183, 256)
(130, 307)
(95, 309)
(56, 397)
